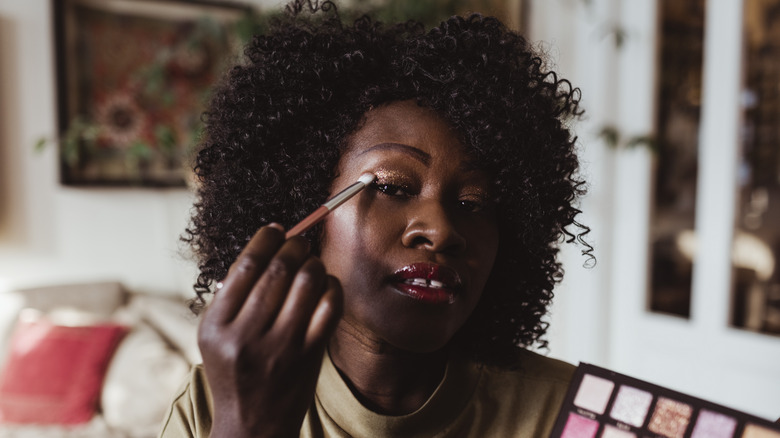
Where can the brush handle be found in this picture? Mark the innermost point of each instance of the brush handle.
(344, 195)
(331, 204)
(308, 222)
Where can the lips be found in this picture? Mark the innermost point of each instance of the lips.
(427, 282)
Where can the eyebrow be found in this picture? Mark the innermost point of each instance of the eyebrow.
(418, 154)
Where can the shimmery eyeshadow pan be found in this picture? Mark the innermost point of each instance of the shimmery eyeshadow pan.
(631, 405)
(714, 425)
(670, 418)
(604, 404)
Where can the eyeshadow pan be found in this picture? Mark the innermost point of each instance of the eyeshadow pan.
(594, 393)
(578, 426)
(614, 432)
(753, 431)
(670, 418)
(714, 425)
(631, 405)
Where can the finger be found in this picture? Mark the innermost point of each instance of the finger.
(305, 293)
(326, 316)
(253, 245)
(270, 290)
(243, 274)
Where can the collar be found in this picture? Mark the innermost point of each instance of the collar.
(335, 400)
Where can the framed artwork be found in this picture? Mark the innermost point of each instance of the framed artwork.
(133, 79)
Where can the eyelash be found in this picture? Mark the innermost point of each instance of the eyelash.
(472, 206)
(393, 190)
(400, 191)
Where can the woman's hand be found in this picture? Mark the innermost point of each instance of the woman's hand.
(264, 334)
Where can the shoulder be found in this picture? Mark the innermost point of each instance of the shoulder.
(190, 412)
(524, 399)
(533, 367)
(535, 385)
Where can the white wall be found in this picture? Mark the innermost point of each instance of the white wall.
(600, 315)
(50, 233)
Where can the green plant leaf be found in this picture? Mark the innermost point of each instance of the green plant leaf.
(139, 150)
(610, 135)
(40, 145)
(166, 139)
(643, 140)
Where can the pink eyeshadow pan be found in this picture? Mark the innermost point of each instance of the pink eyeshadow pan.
(578, 426)
(594, 393)
(713, 425)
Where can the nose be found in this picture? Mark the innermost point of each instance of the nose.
(431, 228)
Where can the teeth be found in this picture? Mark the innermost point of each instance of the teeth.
(425, 283)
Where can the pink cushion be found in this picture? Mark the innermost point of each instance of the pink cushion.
(54, 373)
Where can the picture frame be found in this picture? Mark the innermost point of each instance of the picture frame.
(133, 79)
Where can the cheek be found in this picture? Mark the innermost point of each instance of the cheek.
(337, 244)
(349, 240)
(483, 238)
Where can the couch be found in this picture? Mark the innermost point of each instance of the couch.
(91, 360)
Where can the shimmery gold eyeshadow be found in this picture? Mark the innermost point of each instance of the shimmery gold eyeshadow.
(753, 431)
(384, 176)
(670, 418)
(477, 191)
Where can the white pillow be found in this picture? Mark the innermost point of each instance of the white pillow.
(173, 319)
(10, 305)
(141, 381)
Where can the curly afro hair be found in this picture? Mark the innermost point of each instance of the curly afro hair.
(278, 123)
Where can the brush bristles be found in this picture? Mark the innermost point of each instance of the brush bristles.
(366, 178)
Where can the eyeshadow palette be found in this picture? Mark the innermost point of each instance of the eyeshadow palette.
(603, 404)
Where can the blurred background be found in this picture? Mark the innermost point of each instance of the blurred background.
(99, 109)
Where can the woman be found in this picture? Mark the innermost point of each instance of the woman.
(408, 310)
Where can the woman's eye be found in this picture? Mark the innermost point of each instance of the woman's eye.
(473, 205)
(391, 189)
(469, 205)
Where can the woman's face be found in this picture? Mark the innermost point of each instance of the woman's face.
(414, 250)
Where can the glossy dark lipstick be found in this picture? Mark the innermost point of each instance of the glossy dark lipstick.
(427, 282)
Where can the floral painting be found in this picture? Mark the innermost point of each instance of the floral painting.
(134, 77)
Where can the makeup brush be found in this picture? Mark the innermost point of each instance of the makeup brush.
(341, 197)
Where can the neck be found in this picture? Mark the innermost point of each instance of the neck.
(385, 379)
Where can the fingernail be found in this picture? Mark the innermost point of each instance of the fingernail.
(276, 225)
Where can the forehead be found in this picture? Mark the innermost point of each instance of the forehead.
(406, 123)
